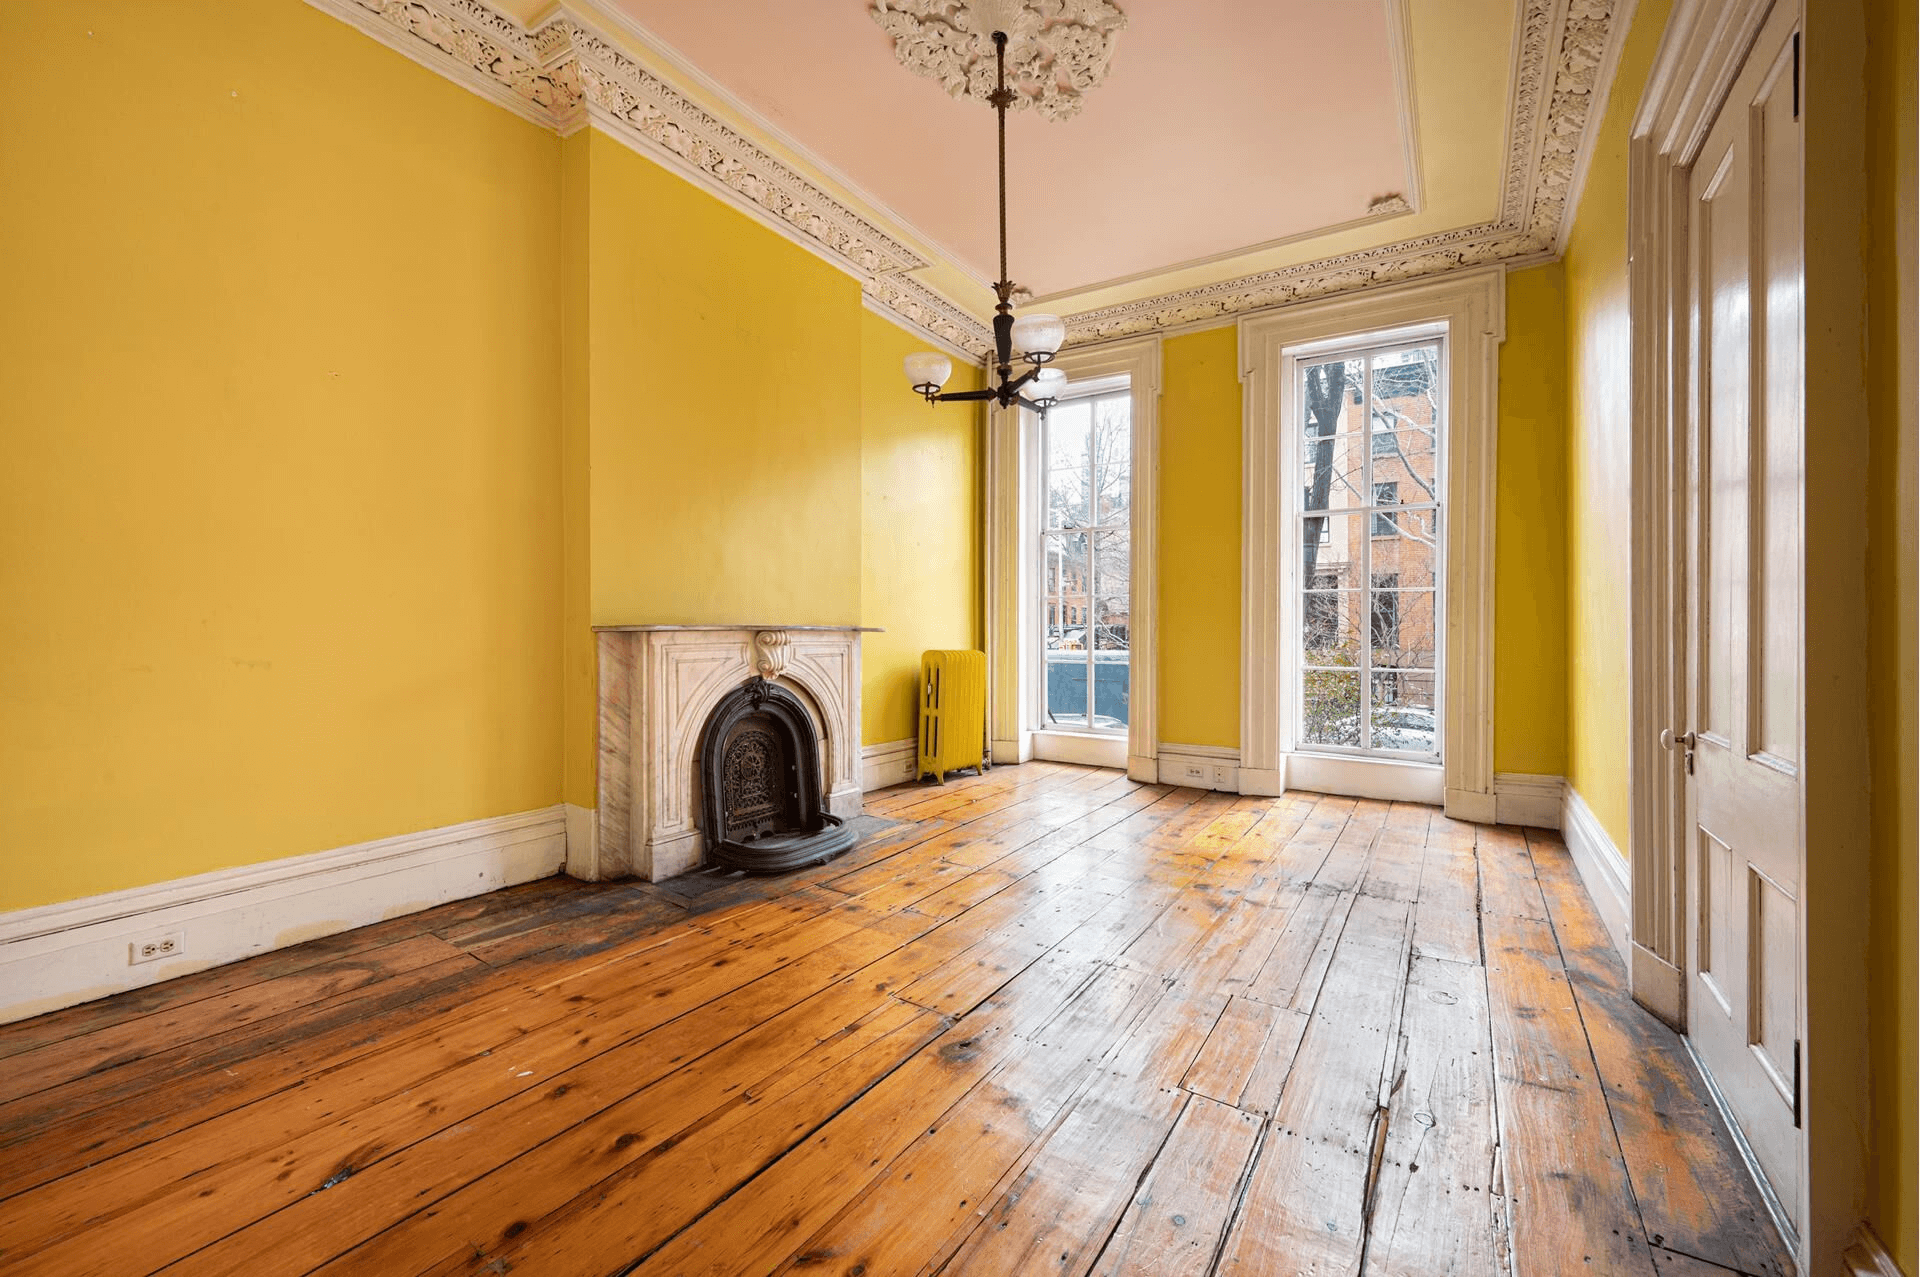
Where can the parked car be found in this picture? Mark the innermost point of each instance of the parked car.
(1409, 728)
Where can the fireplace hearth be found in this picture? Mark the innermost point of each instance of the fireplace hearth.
(760, 784)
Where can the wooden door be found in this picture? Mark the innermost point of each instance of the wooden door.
(1745, 986)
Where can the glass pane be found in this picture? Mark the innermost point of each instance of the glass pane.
(1111, 673)
(1067, 689)
(1332, 470)
(1407, 459)
(1406, 548)
(1330, 396)
(1113, 459)
(1066, 588)
(1403, 711)
(1331, 543)
(1330, 708)
(1385, 496)
(1406, 384)
(1068, 501)
(1401, 628)
(1330, 626)
(1331, 457)
(1110, 625)
(1112, 567)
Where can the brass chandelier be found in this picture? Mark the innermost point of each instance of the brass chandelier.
(1035, 338)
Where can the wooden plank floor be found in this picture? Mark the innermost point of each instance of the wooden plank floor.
(1045, 1020)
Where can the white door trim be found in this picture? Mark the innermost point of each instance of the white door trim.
(1471, 305)
(1701, 54)
(1013, 677)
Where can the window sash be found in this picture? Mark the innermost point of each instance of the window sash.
(1365, 624)
(1092, 595)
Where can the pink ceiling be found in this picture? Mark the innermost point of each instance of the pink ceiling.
(1222, 124)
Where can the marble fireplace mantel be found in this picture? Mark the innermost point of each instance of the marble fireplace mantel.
(658, 683)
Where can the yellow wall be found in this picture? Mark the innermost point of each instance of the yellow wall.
(279, 527)
(747, 447)
(335, 422)
(1894, 387)
(1200, 539)
(920, 527)
(725, 408)
(1597, 429)
(1530, 530)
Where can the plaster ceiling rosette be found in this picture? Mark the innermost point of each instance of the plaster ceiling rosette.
(1056, 49)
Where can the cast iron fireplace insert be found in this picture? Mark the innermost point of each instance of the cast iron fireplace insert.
(760, 784)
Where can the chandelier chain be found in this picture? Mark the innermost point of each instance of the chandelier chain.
(1000, 102)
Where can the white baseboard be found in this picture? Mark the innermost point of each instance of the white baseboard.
(1602, 869)
(57, 955)
(890, 762)
(1262, 782)
(1198, 766)
(1868, 1257)
(1524, 798)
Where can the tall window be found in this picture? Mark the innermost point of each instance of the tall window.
(1369, 531)
(1087, 452)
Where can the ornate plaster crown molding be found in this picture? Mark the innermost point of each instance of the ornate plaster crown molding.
(1056, 49)
(565, 74)
(1563, 61)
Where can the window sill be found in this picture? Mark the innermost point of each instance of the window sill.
(1091, 749)
(1390, 779)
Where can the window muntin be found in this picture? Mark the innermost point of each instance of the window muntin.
(1368, 532)
(1086, 450)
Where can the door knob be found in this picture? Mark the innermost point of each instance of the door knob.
(1669, 741)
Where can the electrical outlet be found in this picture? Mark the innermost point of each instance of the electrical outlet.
(1197, 773)
(168, 944)
(1222, 777)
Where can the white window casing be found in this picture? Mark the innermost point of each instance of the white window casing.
(1013, 521)
(1468, 308)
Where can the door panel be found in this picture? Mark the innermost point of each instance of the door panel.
(1745, 1003)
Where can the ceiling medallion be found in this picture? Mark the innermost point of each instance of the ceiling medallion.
(1056, 49)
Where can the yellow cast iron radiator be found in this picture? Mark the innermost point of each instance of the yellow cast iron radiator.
(953, 712)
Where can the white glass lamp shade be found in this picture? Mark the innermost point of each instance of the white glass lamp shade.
(928, 368)
(1039, 335)
(1048, 383)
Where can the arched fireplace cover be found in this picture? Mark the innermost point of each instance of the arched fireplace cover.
(760, 783)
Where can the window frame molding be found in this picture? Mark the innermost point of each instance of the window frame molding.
(1471, 307)
(1012, 535)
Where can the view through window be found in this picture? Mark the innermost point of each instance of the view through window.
(1369, 537)
(1087, 452)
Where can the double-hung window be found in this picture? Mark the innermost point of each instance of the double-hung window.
(1368, 533)
(1086, 449)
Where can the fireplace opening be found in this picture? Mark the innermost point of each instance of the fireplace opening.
(761, 805)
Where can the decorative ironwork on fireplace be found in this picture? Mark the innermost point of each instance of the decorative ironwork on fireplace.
(760, 783)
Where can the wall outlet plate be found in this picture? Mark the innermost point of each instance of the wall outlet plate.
(168, 944)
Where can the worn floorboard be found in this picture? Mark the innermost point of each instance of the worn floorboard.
(1039, 1020)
